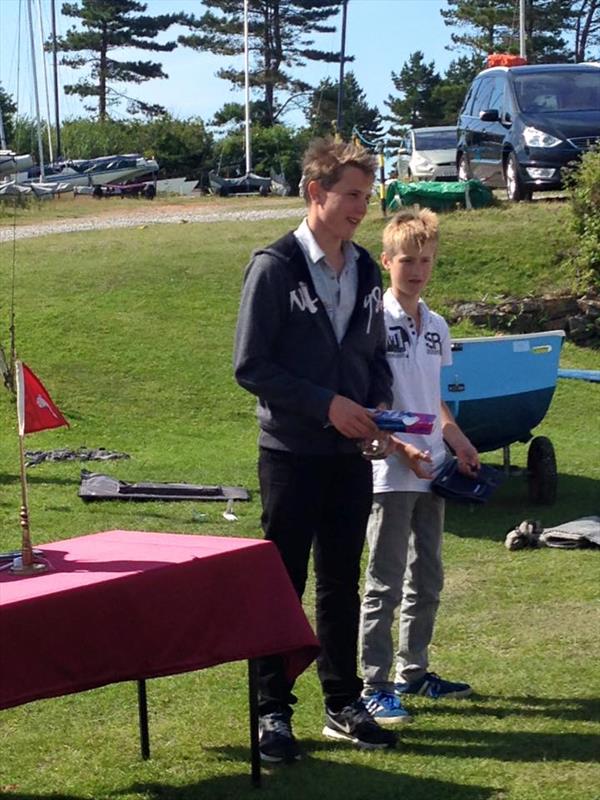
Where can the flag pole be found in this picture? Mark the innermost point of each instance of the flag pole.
(25, 564)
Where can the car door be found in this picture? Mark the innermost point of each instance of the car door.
(470, 132)
(493, 131)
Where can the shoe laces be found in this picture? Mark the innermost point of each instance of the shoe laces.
(360, 713)
(276, 723)
(435, 683)
(386, 699)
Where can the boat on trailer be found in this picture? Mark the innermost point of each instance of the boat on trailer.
(11, 163)
(93, 171)
(499, 389)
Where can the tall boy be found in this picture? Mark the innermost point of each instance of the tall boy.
(406, 522)
(310, 344)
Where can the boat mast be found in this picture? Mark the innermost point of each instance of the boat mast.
(36, 94)
(340, 98)
(522, 48)
(55, 71)
(43, 57)
(2, 134)
(247, 92)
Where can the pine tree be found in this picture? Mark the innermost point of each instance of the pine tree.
(484, 23)
(279, 34)
(587, 30)
(109, 25)
(546, 22)
(357, 113)
(450, 93)
(417, 82)
(489, 26)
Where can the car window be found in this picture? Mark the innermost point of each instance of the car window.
(435, 140)
(496, 99)
(481, 101)
(468, 101)
(473, 102)
(560, 90)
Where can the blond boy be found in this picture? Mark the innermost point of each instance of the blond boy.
(407, 518)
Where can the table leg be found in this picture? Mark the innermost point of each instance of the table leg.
(253, 703)
(143, 716)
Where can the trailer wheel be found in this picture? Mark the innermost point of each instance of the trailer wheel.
(541, 469)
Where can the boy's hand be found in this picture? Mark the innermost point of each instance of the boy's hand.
(351, 419)
(418, 461)
(468, 458)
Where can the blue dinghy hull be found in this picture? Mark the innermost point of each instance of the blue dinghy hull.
(499, 388)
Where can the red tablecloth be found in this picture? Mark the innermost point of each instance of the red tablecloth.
(126, 605)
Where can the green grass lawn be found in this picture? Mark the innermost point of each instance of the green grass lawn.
(131, 331)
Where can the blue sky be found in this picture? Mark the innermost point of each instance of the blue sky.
(381, 34)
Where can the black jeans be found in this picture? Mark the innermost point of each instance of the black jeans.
(323, 500)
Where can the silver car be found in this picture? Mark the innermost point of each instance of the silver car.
(428, 154)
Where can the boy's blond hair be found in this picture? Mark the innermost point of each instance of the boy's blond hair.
(410, 229)
(325, 159)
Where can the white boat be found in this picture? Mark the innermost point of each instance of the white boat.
(93, 172)
(11, 163)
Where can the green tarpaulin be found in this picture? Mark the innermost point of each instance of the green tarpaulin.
(442, 196)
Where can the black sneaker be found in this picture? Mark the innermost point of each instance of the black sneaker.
(275, 738)
(355, 723)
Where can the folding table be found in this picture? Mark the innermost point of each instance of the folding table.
(127, 605)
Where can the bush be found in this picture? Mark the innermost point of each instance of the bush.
(583, 185)
(181, 147)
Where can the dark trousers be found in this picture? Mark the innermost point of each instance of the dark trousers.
(322, 501)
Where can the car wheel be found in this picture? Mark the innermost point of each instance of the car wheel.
(464, 172)
(515, 190)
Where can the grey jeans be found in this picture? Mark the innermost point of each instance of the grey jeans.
(405, 569)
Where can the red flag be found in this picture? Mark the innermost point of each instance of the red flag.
(36, 410)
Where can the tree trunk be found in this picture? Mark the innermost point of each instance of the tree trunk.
(585, 19)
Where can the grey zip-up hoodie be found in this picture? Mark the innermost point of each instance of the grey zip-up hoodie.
(287, 354)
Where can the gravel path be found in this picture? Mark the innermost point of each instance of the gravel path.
(164, 215)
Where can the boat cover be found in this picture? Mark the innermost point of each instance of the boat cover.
(439, 196)
(35, 457)
(95, 486)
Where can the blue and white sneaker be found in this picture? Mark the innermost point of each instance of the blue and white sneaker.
(431, 685)
(386, 708)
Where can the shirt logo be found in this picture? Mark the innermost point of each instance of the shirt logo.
(301, 297)
(398, 341)
(373, 303)
(433, 343)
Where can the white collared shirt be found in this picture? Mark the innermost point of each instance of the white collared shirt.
(337, 291)
(416, 359)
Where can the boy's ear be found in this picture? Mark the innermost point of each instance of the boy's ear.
(385, 261)
(315, 191)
